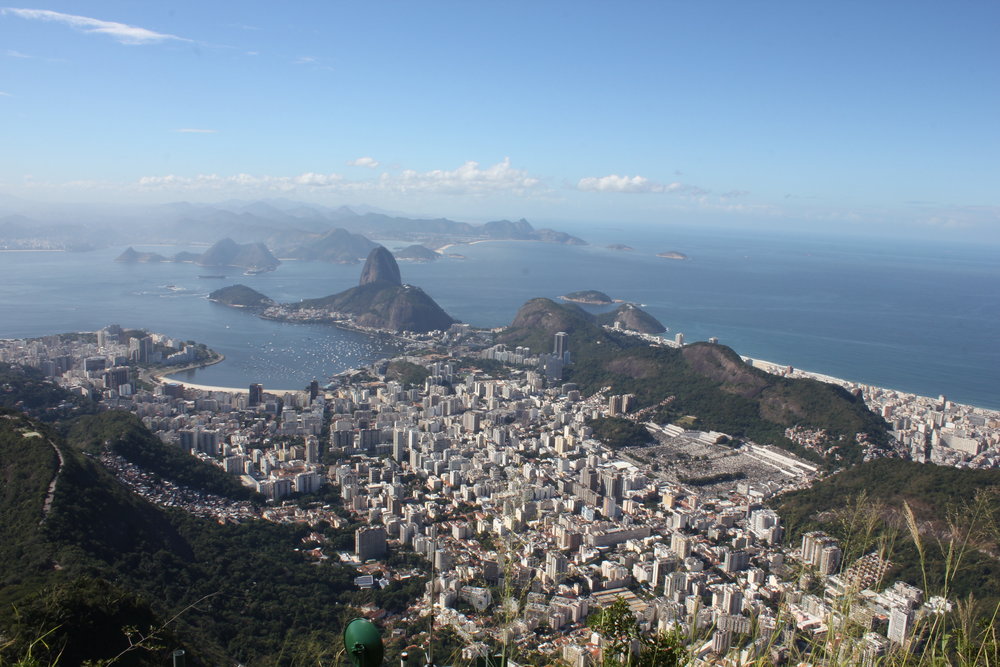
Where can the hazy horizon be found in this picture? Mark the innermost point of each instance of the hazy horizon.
(852, 119)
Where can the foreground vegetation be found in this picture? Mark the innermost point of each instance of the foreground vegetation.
(105, 572)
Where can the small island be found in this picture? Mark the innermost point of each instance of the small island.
(131, 256)
(672, 254)
(590, 297)
(416, 253)
(241, 296)
(620, 246)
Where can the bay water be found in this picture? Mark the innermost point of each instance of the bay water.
(911, 315)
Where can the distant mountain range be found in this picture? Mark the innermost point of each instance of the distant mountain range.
(227, 252)
(292, 230)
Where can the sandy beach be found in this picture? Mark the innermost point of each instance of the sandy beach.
(163, 377)
(230, 390)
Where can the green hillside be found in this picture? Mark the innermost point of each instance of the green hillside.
(709, 382)
(863, 507)
(235, 593)
(123, 434)
(28, 390)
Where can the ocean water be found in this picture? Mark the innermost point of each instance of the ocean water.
(909, 315)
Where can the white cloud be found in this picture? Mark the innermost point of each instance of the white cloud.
(124, 33)
(469, 179)
(3, 94)
(305, 60)
(16, 54)
(193, 130)
(635, 184)
(369, 162)
(318, 180)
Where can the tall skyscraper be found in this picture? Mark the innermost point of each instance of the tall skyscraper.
(256, 395)
(559, 348)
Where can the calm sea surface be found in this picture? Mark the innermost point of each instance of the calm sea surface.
(919, 317)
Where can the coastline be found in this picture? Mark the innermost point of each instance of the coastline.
(779, 369)
(163, 377)
(455, 243)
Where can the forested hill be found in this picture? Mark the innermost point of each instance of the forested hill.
(709, 382)
(863, 506)
(104, 559)
(28, 390)
(123, 434)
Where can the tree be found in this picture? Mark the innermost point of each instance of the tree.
(618, 627)
(625, 644)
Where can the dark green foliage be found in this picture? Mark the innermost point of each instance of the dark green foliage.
(492, 368)
(240, 592)
(240, 296)
(616, 432)
(27, 466)
(589, 296)
(88, 619)
(710, 382)
(940, 498)
(619, 628)
(395, 597)
(27, 389)
(406, 373)
(718, 478)
(125, 435)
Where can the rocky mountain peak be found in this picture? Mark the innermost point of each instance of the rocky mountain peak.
(380, 266)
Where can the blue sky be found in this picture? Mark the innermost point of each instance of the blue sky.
(846, 115)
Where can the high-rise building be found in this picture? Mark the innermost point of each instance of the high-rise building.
(369, 543)
(313, 390)
(555, 566)
(900, 624)
(559, 349)
(821, 551)
(829, 559)
(116, 376)
(256, 395)
(140, 350)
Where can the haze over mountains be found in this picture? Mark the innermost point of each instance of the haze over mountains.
(290, 229)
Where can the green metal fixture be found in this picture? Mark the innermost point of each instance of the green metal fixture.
(363, 643)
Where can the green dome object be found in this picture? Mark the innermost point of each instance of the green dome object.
(363, 643)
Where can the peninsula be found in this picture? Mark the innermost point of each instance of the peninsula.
(380, 301)
(672, 254)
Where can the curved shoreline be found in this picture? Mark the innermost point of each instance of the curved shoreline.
(163, 377)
